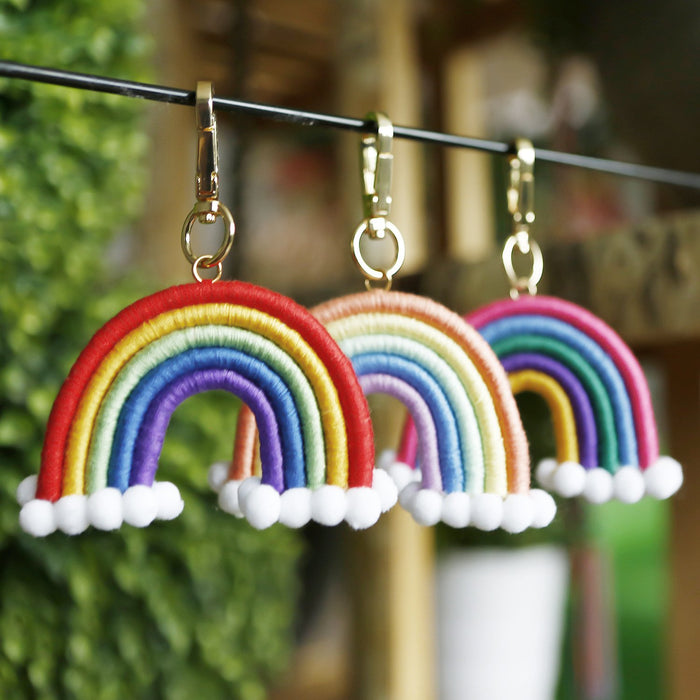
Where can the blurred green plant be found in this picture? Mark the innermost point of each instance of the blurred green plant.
(198, 607)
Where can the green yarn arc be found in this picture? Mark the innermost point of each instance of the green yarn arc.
(602, 407)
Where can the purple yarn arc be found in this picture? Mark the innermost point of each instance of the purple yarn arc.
(155, 423)
(427, 441)
(583, 410)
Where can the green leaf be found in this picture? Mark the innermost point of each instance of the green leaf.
(197, 607)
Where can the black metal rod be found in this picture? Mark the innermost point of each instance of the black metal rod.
(160, 93)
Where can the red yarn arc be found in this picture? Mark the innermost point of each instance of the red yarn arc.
(352, 400)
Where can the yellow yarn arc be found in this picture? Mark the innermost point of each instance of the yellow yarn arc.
(559, 406)
(270, 327)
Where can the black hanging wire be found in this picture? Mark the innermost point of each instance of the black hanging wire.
(160, 93)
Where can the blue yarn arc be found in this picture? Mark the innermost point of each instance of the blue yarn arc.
(594, 356)
(444, 418)
(259, 373)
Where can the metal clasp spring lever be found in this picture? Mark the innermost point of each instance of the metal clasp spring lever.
(207, 208)
(521, 191)
(376, 163)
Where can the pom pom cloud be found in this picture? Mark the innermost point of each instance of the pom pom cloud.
(469, 438)
(106, 509)
(327, 504)
(513, 512)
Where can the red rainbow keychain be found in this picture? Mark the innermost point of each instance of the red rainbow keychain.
(108, 423)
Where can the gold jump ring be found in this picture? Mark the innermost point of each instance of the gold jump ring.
(205, 261)
(373, 274)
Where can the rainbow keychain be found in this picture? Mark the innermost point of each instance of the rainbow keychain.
(473, 450)
(108, 423)
(605, 431)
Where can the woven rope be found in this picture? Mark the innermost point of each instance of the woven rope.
(182, 341)
(450, 477)
(591, 353)
(149, 439)
(559, 406)
(63, 414)
(609, 341)
(583, 410)
(479, 352)
(470, 443)
(220, 314)
(602, 408)
(412, 399)
(244, 446)
(472, 382)
(272, 398)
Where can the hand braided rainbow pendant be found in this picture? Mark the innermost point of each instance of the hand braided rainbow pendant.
(470, 442)
(607, 444)
(605, 432)
(108, 423)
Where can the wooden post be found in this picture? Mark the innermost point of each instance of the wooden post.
(392, 564)
(391, 581)
(173, 146)
(682, 363)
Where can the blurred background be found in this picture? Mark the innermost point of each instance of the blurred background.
(93, 192)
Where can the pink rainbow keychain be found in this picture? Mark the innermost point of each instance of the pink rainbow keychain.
(108, 423)
(605, 431)
(470, 440)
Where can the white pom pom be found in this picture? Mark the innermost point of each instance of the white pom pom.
(140, 505)
(328, 505)
(426, 506)
(105, 509)
(407, 494)
(569, 479)
(217, 475)
(364, 506)
(246, 486)
(295, 507)
(544, 508)
(663, 478)
(26, 490)
(402, 474)
(628, 484)
(386, 459)
(487, 510)
(385, 487)
(599, 485)
(71, 514)
(262, 506)
(37, 518)
(518, 512)
(545, 471)
(228, 498)
(168, 499)
(456, 509)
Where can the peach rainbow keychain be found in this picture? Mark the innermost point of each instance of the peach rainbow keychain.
(108, 423)
(472, 447)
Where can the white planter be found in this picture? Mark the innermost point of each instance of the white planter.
(500, 622)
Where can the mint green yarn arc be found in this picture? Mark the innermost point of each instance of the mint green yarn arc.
(178, 342)
(468, 429)
(602, 407)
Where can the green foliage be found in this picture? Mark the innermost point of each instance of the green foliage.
(198, 607)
